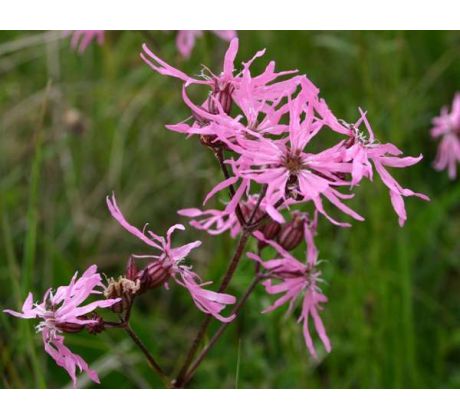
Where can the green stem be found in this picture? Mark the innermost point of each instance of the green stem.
(204, 326)
(152, 362)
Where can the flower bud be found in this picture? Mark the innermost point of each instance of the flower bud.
(69, 327)
(131, 269)
(292, 233)
(153, 276)
(122, 288)
(270, 229)
(247, 209)
(223, 96)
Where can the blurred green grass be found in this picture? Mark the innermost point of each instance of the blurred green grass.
(393, 313)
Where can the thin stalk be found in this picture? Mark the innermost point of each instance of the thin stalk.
(202, 330)
(194, 366)
(259, 202)
(246, 232)
(220, 157)
(152, 362)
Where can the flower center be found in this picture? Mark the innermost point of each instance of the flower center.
(293, 162)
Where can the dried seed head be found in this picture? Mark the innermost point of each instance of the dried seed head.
(153, 276)
(122, 288)
(96, 327)
(74, 121)
(292, 233)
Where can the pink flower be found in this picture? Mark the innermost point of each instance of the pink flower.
(81, 39)
(295, 281)
(212, 221)
(171, 260)
(255, 96)
(62, 312)
(160, 66)
(447, 126)
(216, 222)
(290, 173)
(185, 40)
(366, 152)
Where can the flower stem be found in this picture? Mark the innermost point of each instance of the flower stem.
(155, 366)
(220, 157)
(194, 366)
(204, 325)
(247, 228)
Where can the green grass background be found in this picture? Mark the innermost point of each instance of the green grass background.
(393, 313)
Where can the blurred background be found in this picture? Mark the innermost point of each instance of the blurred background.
(75, 127)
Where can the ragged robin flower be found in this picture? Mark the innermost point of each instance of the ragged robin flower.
(169, 263)
(296, 281)
(447, 127)
(63, 312)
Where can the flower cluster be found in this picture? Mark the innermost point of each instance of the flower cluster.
(62, 312)
(263, 129)
(447, 127)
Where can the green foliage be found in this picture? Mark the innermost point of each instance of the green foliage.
(393, 314)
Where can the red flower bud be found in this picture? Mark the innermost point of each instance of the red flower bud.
(69, 327)
(131, 269)
(292, 233)
(270, 229)
(153, 276)
(222, 96)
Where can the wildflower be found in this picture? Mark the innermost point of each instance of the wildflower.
(212, 221)
(185, 40)
(231, 87)
(366, 152)
(63, 312)
(447, 126)
(169, 263)
(296, 280)
(80, 40)
(288, 171)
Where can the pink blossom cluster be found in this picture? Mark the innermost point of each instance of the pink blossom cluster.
(282, 177)
(447, 127)
(64, 311)
(266, 129)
